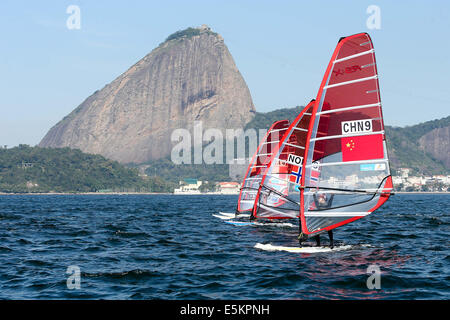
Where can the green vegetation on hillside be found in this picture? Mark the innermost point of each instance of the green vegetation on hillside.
(34, 169)
(173, 173)
(265, 120)
(187, 33)
(415, 132)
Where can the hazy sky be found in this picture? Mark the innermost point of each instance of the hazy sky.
(281, 48)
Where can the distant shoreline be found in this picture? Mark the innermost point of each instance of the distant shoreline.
(110, 193)
(80, 193)
(164, 193)
(422, 192)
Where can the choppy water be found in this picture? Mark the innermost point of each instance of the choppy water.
(170, 247)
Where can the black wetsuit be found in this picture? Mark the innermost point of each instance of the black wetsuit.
(320, 206)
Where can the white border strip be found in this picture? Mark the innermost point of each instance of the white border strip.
(348, 162)
(270, 142)
(293, 145)
(336, 214)
(248, 201)
(347, 135)
(276, 130)
(354, 56)
(369, 191)
(351, 81)
(351, 108)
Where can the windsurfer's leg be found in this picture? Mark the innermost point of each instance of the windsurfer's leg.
(302, 237)
(317, 240)
(330, 234)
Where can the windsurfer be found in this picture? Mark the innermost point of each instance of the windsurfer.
(322, 202)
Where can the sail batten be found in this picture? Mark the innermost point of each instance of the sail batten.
(354, 56)
(344, 135)
(350, 108)
(349, 162)
(350, 82)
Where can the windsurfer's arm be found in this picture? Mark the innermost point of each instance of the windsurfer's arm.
(315, 200)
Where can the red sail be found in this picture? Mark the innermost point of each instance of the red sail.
(258, 165)
(347, 160)
(279, 194)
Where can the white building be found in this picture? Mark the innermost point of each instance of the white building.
(229, 187)
(188, 186)
(405, 172)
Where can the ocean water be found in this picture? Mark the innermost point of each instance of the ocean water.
(171, 247)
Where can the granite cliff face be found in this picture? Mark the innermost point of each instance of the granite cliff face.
(437, 143)
(190, 77)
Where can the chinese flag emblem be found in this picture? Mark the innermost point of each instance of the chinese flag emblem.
(366, 147)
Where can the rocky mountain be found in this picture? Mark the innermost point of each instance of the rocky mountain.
(189, 77)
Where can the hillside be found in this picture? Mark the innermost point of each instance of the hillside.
(34, 169)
